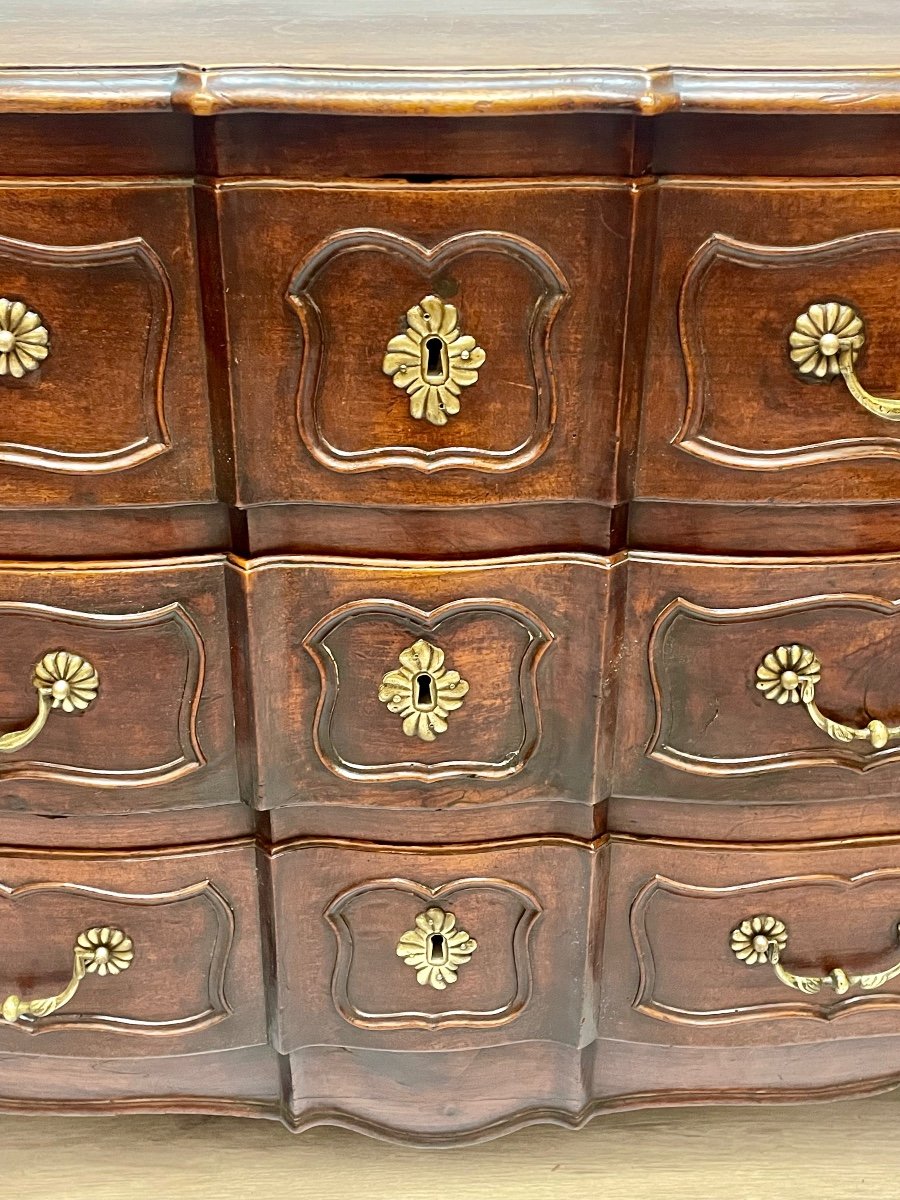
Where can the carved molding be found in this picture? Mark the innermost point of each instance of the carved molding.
(428, 622)
(691, 437)
(156, 440)
(214, 963)
(737, 897)
(188, 703)
(520, 949)
(828, 753)
(301, 300)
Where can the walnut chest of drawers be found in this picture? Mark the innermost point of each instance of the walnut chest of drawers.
(450, 537)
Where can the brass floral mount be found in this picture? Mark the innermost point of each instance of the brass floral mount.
(63, 681)
(422, 691)
(789, 675)
(825, 342)
(24, 342)
(762, 939)
(433, 360)
(98, 951)
(436, 949)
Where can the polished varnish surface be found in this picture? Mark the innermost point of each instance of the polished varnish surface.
(450, 537)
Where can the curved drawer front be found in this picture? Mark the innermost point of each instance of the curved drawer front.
(102, 368)
(761, 683)
(440, 950)
(115, 689)
(775, 325)
(375, 684)
(745, 947)
(383, 335)
(111, 957)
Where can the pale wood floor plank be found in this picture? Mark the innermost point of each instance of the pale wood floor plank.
(842, 1151)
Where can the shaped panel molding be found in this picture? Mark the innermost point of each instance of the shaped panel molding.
(341, 385)
(342, 739)
(180, 970)
(712, 719)
(738, 305)
(490, 993)
(151, 665)
(108, 309)
(670, 919)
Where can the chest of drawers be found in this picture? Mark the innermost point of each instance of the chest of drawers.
(449, 561)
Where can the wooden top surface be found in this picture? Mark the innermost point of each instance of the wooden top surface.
(457, 56)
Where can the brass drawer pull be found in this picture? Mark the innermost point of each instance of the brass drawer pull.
(789, 674)
(763, 939)
(433, 360)
(423, 691)
(63, 681)
(98, 951)
(825, 343)
(24, 342)
(436, 949)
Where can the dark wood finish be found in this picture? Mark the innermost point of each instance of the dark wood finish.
(117, 413)
(160, 732)
(340, 910)
(692, 725)
(669, 976)
(726, 417)
(319, 279)
(526, 637)
(195, 984)
(418, 149)
(223, 214)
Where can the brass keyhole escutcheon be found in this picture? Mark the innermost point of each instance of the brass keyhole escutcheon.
(433, 360)
(422, 691)
(436, 949)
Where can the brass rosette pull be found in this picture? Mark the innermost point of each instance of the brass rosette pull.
(825, 343)
(99, 951)
(789, 675)
(24, 340)
(64, 682)
(762, 939)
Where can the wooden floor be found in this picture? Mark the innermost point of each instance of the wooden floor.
(841, 1151)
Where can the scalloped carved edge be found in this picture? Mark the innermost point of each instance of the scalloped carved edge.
(428, 621)
(645, 1003)
(459, 1018)
(829, 754)
(217, 1008)
(312, 1118)
(157, 440)
(204, 91)
(192, 756)
(302, 304)
(690, 437)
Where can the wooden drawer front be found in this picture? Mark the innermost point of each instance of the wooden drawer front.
(727, 415)
(677, 916)
(156, 728)
(335, 714)
(117, 412)
(341, 912)
(320, 279)
(192, 978)
(695, 725)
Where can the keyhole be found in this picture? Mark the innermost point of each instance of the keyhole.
(437, 950)
(424, 692)
(435, 360)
